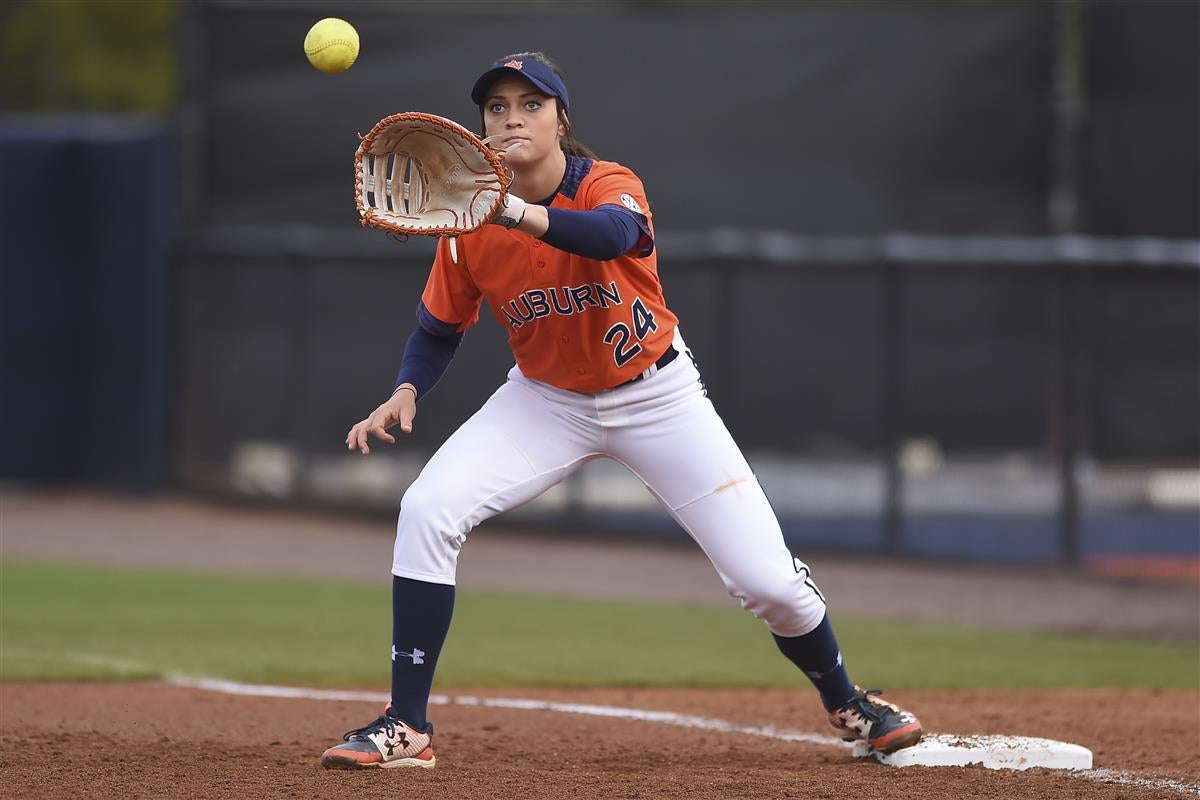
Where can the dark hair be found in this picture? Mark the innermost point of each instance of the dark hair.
(570, 145)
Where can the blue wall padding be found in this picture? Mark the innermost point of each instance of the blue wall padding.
(85, 231)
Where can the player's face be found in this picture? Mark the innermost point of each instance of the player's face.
(526, 119)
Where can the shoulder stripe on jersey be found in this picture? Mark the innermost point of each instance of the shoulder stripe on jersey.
(432, 324)
(577, 169)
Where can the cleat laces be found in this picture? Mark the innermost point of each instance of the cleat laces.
(383, 723)
(868, 707)
(872, 707)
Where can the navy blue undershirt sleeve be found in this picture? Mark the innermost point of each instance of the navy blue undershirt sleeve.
(428, 352)
(602, 234)
(432, 324)
(645, 243)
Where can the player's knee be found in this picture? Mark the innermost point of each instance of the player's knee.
(424, 507)
(416, 501)
(428, 539)
(789, 608)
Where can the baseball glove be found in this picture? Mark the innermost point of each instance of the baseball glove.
(422, 174)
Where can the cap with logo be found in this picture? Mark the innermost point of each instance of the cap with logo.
(537, 73)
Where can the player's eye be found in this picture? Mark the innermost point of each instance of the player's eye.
(496, 108)
(533, 105)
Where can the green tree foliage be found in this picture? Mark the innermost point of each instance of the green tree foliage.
(87, 55)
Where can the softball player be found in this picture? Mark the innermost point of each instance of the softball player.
(601, 371)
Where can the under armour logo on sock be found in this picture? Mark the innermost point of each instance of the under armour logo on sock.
(417, 656)
(816, 676)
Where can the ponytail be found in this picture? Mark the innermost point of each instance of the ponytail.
(569, 144)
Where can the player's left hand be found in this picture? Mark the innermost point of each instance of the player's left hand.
(512, 212)
(512, 208)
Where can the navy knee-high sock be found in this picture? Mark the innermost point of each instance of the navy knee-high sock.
(818, 655)
(420, 621)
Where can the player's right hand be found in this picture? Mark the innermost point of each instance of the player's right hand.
(400, 408)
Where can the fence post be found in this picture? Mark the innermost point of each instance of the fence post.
(1064, 419)
(1064, 214)
(891, 369)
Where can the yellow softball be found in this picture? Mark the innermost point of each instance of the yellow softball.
(331, 45)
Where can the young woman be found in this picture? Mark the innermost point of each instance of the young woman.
(569, 269)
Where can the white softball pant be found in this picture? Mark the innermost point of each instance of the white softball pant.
(529, 436)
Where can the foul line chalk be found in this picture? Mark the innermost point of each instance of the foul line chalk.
(1102, 775)
(220, 686)
(616, 712)
(88, 659)
(664, 717)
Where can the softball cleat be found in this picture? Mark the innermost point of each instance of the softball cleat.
(884, 726)
(387, 742)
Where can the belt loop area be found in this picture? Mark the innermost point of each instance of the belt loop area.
(669, 355)
(673, 351)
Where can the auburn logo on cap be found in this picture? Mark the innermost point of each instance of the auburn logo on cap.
(514, 64)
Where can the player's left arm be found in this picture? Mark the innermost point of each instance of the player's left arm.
(619, 192)
(616, 222)
(602, 234)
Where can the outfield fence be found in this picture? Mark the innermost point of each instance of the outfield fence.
(937, 396)
(939, 264)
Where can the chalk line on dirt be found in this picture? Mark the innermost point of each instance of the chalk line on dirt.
(1100, 775)
(87, 659)
(665, 717)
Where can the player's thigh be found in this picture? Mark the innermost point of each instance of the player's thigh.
(692, 463)
(688, 458)
(676, 442)
(740, 534)
(509, 452)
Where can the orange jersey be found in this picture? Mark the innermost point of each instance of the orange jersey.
(573, 322)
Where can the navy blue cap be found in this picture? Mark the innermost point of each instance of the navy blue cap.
(531, 69)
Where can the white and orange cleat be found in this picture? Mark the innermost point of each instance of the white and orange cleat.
(884, 726)
(387, 742)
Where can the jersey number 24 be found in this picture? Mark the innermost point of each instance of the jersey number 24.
(626, 348)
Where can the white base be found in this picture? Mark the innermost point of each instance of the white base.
(993, 752)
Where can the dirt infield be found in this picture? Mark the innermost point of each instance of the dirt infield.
(158, 741)
(131, 740)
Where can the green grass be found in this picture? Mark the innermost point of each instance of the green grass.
(74, 622)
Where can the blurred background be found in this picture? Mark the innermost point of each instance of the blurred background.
(939, 261)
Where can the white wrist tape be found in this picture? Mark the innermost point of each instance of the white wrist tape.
(511, 213)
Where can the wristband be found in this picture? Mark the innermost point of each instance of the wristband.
(512, 212)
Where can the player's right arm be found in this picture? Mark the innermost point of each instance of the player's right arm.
(428, 353)
(399, 409)
(449, 294)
